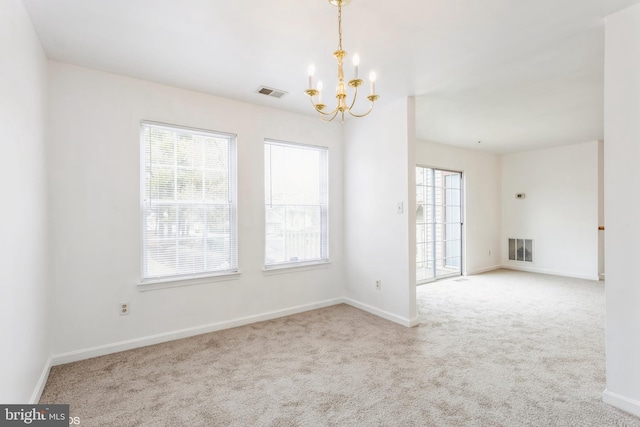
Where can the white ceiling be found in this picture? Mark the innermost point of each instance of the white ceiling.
(514, 74)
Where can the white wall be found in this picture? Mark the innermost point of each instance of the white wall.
(482, 213)
(379, 242)
(601, 233)
(622, 205)
(560, 210)
(24, 281)
(95, 215)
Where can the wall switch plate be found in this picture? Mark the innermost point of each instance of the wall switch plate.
(400, 208)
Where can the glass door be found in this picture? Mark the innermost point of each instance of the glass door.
(438, 224)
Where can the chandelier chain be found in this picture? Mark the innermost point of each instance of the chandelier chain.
(339, 25)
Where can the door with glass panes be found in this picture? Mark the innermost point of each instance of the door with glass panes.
(438, 223)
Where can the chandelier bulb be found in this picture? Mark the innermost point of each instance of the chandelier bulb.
(372, 78)
(312, 71)
(356, 62)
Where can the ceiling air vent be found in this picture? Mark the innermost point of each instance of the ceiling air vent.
(276, 93)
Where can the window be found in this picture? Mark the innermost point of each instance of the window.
(296, 187)
(188, 202)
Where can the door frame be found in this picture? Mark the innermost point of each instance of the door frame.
(462, 226)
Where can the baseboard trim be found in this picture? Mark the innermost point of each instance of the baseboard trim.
(483, 270)
(551, 272)
(381, 313)
(103, 350)
(116, 347)
(621, 402)
(42, 381)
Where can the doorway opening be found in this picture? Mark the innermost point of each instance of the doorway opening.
(438, 224)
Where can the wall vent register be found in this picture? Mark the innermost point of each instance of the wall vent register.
(521, 250)
(276, 93)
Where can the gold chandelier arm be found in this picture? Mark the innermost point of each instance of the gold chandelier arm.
(371, 98)
(333, 112)
(333, 115)
(355, 96)
(315, 107)
(362, 115)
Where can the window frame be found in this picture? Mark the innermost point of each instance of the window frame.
(324, 211)
(434, 223)
(167, 281)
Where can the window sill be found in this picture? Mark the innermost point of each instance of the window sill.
(292, 268)
(165, 283)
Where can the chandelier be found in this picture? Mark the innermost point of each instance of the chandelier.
(341, 92)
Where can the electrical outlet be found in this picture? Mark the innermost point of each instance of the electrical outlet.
(378, 285)
(124, 308)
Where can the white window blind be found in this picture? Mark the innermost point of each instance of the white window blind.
(296, 190)
(188, 202)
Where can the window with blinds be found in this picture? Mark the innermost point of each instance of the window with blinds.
(188, 202)
(296, 190)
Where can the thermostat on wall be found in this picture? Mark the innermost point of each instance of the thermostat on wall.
(520, 196)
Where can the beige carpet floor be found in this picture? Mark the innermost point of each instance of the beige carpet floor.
(498, 349)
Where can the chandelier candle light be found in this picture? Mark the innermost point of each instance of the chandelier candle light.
(341, 92)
